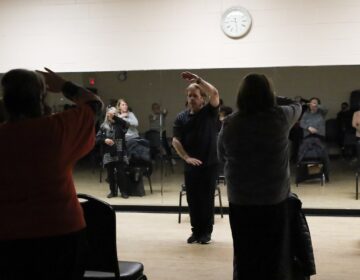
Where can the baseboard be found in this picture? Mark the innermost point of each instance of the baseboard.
(175, 210)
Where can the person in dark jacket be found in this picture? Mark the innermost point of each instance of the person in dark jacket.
(300, 245)
(344, 119)
(112, 138)
(254, 145)
(195, 142)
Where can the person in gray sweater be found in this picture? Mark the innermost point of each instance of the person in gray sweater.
(313, 125)
(253, 144)
(313, 120)
(130, 118)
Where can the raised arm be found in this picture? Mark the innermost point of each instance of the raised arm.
(131, 119)
(71, 91)
(205, 86)
(291, 108)
(323, 110)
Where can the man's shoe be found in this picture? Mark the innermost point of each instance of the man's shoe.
(205, 239)
(192, 239)
(110, 195)
(124, 195)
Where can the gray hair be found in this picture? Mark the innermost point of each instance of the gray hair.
(106, 124)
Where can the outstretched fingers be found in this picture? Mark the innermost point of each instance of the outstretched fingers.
(191, 77)
(53, 81)
(194, 161)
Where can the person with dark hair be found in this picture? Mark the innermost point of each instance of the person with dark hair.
(313, 120)
(43, 228)
(221, 102)
(2, 111)
(313, 125)
(111, 136)
(157, 123)
(194, 140)
(224, 111)
(344, 121)
(253, 144)
(356, 125)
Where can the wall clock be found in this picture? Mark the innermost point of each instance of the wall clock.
(236, 22)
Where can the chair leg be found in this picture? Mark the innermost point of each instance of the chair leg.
(101, 172)
(357, 184)
(180, 200)
(220, 202)
(149, 179)
(171, 166)
(164, 167)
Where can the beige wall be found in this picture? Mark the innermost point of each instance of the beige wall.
(112, 35)
(332, 84)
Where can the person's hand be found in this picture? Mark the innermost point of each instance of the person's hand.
(53, 81)
(109, 142)
(191, 77)
(193, 161)
(312, 130)
(110, 114)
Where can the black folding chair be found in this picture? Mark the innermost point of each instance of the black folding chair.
(102, 261)
(219, 180)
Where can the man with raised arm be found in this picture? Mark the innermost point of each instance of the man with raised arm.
(195, 131)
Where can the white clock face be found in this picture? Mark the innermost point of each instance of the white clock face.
(236, 22)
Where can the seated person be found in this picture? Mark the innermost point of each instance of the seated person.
(313, 125)
(356, 125)
(157, 122)
(344, 120)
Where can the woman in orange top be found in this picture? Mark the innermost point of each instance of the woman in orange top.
(42, 228)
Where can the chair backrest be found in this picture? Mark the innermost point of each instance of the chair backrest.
(101, 235)
(138, 150)
(153, 137)
(349, 139)
(311, 148)
(332, 130)
(355, 100)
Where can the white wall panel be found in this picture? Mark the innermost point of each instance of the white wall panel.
(109, 35)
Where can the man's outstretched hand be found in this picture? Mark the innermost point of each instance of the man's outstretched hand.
(191, 77)
(53, 81)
